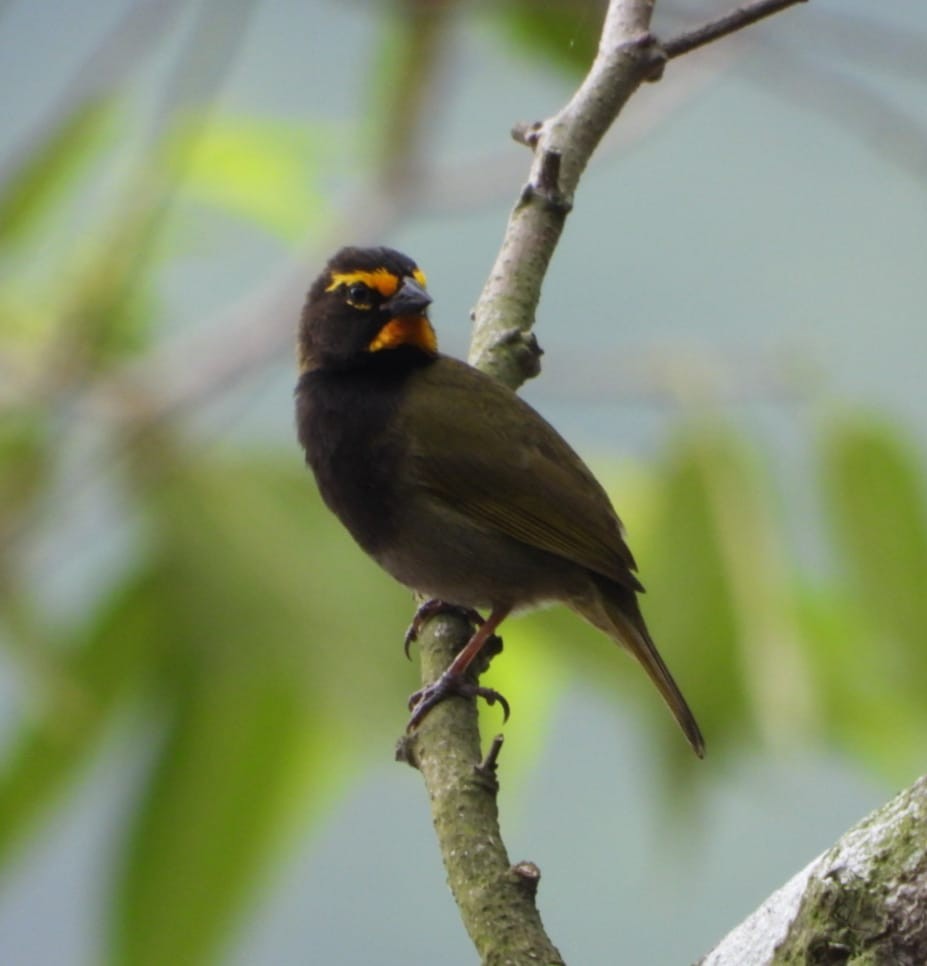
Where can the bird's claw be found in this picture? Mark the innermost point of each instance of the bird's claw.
(447, 685)
(431, 608)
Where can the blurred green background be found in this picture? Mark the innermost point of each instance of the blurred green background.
(201, 678)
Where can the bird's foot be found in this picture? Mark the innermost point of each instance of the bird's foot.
(431, 608)
(447, 685)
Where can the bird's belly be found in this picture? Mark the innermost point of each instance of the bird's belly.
(442, 555)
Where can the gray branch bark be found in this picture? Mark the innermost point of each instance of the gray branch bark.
(495, 897)
(864, 901)
(502, 344)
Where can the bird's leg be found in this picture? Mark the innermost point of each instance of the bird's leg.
(431, 608)
(454, 680)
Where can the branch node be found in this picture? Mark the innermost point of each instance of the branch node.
(549, 177)
(524, 349)
(656, 59)
(492, 648)
(547, 185)
(486, 769)
(527, 877)
(405, 750)
(527, 134)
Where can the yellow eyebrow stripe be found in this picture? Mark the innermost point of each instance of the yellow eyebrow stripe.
(381, 279)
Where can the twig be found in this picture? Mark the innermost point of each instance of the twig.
(737, 19)
(487, 767)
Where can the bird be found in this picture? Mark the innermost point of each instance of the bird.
(450, 481)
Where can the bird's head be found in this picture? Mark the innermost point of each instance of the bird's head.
(367, 300)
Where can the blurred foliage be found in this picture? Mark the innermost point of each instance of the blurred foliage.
(234, 629)
(242, 692)
(565, 33)
(872, 637)
(263, 170)
(37, 184)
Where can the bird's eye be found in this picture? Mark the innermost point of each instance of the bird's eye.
(359, 295)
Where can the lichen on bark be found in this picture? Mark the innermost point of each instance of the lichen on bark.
(866, 900)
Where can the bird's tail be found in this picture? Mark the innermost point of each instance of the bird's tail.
(624, 623)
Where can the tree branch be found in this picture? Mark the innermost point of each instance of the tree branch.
(628, 55)
(502, 344)
(737, 19)
(495, 898)
(861, 901)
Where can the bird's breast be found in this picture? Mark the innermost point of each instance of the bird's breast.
(344, 424)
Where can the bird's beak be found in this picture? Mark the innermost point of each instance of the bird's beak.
(410, 299)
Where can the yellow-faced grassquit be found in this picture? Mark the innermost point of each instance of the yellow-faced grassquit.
(449, 480)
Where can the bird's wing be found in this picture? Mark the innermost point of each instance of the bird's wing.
(485, 452)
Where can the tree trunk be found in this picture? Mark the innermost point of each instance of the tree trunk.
(864, 901)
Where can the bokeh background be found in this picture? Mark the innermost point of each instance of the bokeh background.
(201, 679)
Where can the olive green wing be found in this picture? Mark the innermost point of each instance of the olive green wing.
(484, 451)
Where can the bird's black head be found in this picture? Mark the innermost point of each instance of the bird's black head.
(367, 300)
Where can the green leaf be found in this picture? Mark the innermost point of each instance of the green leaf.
(276, 681)
(51, 169)
(720, 602)
(264, 170)
(865, 711)
(691, 605)
(24, 439)
(214, 805)
(75, 701)
(560, 32)
(874, 496)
